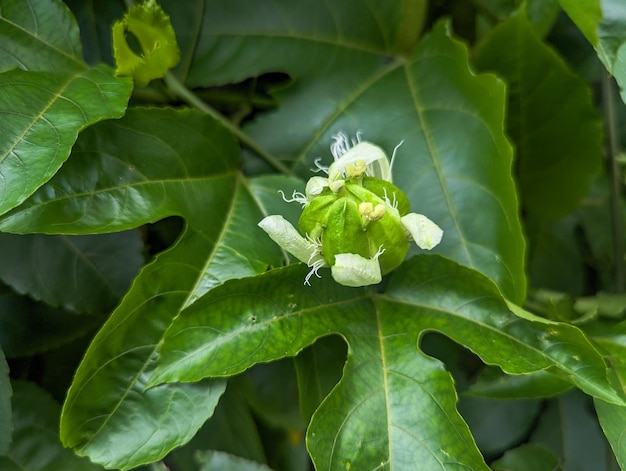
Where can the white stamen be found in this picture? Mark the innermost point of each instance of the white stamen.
(314, 271)
(393, 156)
(319, 167)
(296, 197)
(392, 204)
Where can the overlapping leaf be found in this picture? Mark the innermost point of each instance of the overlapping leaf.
(87, 274)
(603, 22)
(392, 398)
(51, 96)
(551, 118)
(35, 443)
(123, 174)
(350, 75)
(39, 35)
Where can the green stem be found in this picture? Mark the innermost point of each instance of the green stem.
(617, 211)
(192, 99)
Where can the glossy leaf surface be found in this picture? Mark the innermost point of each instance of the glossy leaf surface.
(142, 173)
(383, 405)
(350, 76)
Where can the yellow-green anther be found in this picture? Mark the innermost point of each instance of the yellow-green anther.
(357, 169)
(371, 212)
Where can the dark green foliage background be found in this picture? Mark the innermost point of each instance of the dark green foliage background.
(146, 322)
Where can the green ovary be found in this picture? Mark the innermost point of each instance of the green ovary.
(335, 220)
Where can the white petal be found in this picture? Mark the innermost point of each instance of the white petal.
(284, 234)
(373, 156)
(315, 186)
(353, 270)
(424, 232)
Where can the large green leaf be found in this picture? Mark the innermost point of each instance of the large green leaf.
(551, 118)
(142, 171)
(86, 274)
(392, 398)
(603, 22)
(36, 444)
(351, 75)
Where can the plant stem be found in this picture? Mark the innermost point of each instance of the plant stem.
(615, 174)
(192, 99)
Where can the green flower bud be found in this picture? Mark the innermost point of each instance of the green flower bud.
(357, 222)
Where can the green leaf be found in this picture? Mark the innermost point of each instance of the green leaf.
(612, 419)
(587, 14)
(528, 457)
(552, 119)
(498, 424)
(36, 444)
(383, 405)
(569, 428)
(28, 327)
(349, 76)
(157, 40)
(38, 35)
(86, 274)
(53, 108)
(146, 173)
(231, 429)
(211, 460)
(603, 22)
(6, 421)
(493, 384)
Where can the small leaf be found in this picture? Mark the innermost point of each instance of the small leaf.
(85, 274)
(53, 108)
(159, 50)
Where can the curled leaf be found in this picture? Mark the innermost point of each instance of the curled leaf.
(153, 30)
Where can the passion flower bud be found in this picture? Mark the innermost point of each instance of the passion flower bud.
(355, 222)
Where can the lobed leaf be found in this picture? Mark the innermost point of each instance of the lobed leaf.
(352, 76)
(142, 171)
(392, 398)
